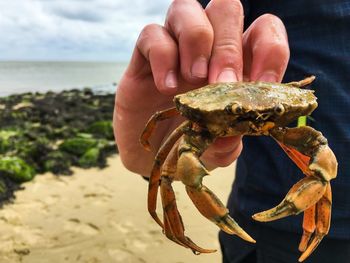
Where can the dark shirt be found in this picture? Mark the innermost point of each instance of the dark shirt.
(319, 39)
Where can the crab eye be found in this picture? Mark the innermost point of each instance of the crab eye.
(279, 109)
(236, 108)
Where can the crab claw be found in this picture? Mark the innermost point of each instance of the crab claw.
(301, 196)
(316, 224)
(208, 204)
(230, 226)
(212, 208)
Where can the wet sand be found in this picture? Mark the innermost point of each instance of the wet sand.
(100, 216)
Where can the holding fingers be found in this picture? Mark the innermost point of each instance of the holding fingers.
(191, 29)
(226, 63)
(266, 49)
(160, 50)
(195, 47)
(260, 53)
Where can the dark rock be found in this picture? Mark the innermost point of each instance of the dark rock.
(58, 162)
(7, 189)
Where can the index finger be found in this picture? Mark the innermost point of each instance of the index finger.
(189, 25)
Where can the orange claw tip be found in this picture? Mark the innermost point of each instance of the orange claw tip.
(284, 209)
(244, 235)
(231, 227)
(304, 241)
(249, 239)
(312, 78)
(203, 251)
(312, 246)
(303, 257)
(265, 216)
(239, 232)
(197, 250)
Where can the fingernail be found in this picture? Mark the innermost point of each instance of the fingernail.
(268, 76)
(200, 67)
(171, 79)
(227, 75)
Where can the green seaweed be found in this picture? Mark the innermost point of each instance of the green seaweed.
(78, 145)
(16, 168)
(90, 158)
(51, 132)
(102, 129)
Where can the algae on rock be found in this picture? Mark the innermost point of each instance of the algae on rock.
(51, 132)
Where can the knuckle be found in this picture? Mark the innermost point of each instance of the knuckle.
(179, 3)
(147, 33)
(280, 49)
(199, 33)
(186, 17)
(228, 46)
(154, 37)
(177, 7)
(236, 5)
(228, 54)
(149, 29)
(269, 18)
(274, 48)
(271, 36)
(175, 3)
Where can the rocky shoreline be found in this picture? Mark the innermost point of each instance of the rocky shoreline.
(51, 132)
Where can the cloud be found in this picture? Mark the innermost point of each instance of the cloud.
(77, 13)
(74, 29)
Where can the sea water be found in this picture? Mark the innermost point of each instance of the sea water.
(40, 76)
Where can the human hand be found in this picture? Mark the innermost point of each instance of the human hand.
(195, 47)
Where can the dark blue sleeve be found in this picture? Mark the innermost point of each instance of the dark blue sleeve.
(204, 2)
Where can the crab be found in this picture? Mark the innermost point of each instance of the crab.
(242, 108)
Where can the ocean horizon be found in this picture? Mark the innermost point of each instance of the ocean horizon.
(42, 76)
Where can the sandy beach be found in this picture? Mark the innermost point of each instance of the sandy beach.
(100, 216)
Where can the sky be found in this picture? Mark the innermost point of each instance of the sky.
(75, 30)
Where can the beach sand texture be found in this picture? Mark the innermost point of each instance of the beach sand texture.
(100, 216)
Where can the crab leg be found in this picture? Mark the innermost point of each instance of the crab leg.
(317, 217)
(309, 226)
(309, 150)
(301, 83)
(323, 219)
(321, 168)
(191, 171)
(173, 226)
(154, 179)
(309, 220)
(151, 125)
